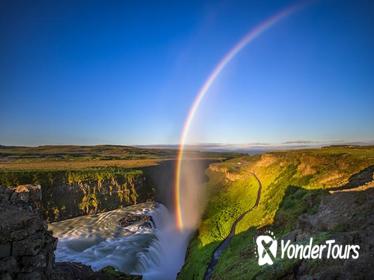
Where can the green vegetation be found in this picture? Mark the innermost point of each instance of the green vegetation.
(65, 157)
(240, 257)
(72, 152)
(50, 177)
(110, 273)
(292, 183)
(229, 201)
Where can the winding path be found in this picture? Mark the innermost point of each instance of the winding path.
(223, 245)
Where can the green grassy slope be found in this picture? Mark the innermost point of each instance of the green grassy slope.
(233, 191)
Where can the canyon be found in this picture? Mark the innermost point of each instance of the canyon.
(324, 193)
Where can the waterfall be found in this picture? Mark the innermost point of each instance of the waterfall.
(99, 240)
(156, 252)
(165, 255)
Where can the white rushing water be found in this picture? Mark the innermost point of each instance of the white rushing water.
(169, 246)
(156, 252)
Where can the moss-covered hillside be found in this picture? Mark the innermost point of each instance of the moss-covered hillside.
(293, 183)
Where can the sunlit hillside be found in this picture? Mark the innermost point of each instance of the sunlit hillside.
(292, 183)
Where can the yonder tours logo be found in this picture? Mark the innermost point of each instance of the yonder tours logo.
(267, 250)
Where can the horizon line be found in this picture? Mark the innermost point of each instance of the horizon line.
(215, 144)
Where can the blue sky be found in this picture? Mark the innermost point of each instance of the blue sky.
(126, 72)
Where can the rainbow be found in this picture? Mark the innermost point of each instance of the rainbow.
(248, 38)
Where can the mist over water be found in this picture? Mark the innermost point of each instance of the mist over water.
(192, 193)
(171, 241)
(170, 245)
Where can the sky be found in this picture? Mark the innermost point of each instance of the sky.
(127, 72)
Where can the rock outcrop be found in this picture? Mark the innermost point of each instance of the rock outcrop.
(26, 246)
(73, 271)
(129, 219)
(347, 218)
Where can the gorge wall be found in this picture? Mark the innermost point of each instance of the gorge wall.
(68, 194)
(73, 193)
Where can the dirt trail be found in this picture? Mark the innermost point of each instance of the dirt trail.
(224, 244)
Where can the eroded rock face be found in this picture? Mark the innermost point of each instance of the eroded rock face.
(348, 218)
(68, 194)
(26, 246)
(67, 199)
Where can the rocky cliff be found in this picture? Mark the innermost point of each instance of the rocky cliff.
(68, 194)
(26, 246)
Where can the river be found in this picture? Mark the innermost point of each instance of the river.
(152, 249)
